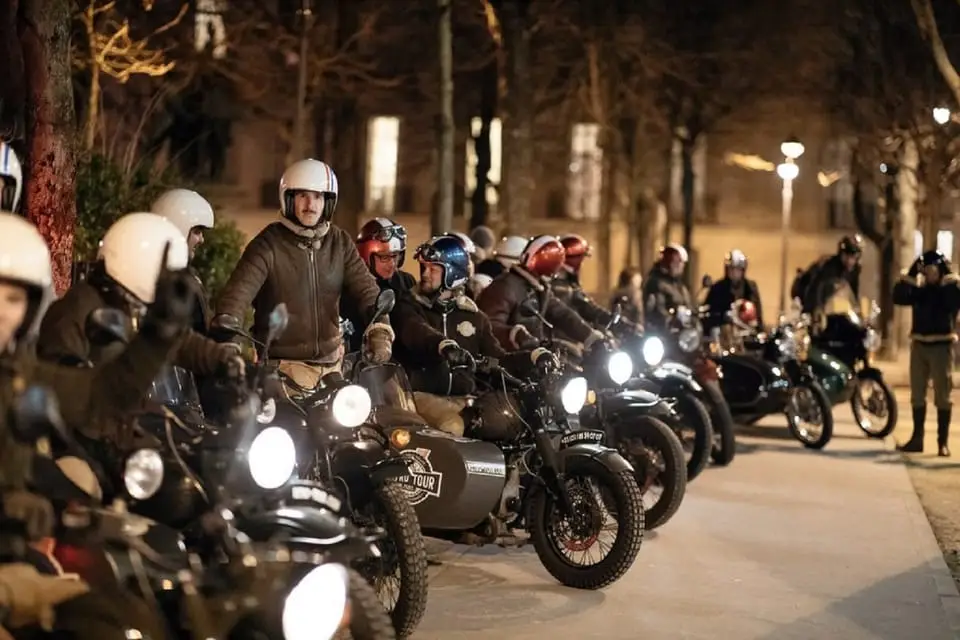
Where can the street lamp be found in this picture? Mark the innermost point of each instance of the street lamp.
(941, 115)
(788, 172)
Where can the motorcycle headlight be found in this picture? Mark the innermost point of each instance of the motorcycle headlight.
(653, 351)
(351, 406)
(267, 412)
(314, 608)
(143, 473)
(689, 340)
(272, 458)
(574, 395)
(620, 367)
(684, 316)
(872, 340)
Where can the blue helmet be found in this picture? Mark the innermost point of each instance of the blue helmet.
(448, 252)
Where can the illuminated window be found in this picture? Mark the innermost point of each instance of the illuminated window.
(208, 27)
(944, 242)
(493, 176)
(585, 180)
(383, 136)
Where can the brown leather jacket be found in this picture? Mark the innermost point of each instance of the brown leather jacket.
(284, 263)
(509, 301)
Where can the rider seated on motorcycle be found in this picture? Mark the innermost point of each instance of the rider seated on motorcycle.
(629, 295)
(192, 214)
(566, 286)
(664, 289)
(125, 277)
(88, 398)
(732, 287)
(933, 291)
(309, 264)
(506, 254)
(444, 328)
(823, 278)
(519, 300)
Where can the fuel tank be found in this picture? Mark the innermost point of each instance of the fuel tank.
(453, 483)
(753, 386)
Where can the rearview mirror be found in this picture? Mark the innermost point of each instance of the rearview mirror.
(105, 326)
(383, 305)
(37, 415)
(279, 319)
(617, 314)
(707, 282)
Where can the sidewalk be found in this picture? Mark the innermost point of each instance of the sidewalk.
(784, 544)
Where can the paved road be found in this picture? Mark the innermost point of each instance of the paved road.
(784, 544)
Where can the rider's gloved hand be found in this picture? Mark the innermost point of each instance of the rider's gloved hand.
(232, 364)
(172, 309)
(915, 268)
(523, 338)
(28, 596)
(456, 356)
(34, 511)
(593, 338)
(543, 360)
(378, 343)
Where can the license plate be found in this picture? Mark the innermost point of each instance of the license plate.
(585, 436)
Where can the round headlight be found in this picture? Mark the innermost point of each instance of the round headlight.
(314, 608)
(351, 406)
(872, 340)
(574, 395)
(272, 458)
(620, 367)
(267, 412)
(143, 473)
(689, 340)
(653, 351)
(684, 316)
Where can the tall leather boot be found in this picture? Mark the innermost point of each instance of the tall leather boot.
(915, 443)
(943, 431)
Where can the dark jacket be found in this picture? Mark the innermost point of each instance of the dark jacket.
(424, 327)
(309, 275)
(566, 286)
(401, 283)
(724, 293)
(92, 401)
(201, 309)
(935, 307)
(509, 302)
(491, 267)
(631, 304)
(63, 337)
(824, 277)
(661, 293)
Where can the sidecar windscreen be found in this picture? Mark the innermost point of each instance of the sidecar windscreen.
(174, 387)
(388, 387)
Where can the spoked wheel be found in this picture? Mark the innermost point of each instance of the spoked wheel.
(810, 416)
(656, 454)
(724, 437)
(399, 575)
(696, 434)
(594, 544)
(368, 619)
(874, 406)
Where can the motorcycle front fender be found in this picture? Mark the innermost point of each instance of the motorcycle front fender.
(870, 373)
(615, 406)
(362, 466)
(675, 378)
(609, 458)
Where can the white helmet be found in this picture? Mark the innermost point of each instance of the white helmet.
(11, 178)
(25, 259)
(186, 209)
(511, 248)
(132, 251)
(309, 175)
(468, 244)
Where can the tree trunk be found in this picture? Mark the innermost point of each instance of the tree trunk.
(93, 109)
(12, 89)
(518, 170)
(687, 190)
(906, 224)
(349, 162)
(50, 197)
(442, 221)
(482, 146)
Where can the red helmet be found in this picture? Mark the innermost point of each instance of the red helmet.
(543, 256)
(381, 236)
(668, 252)
(746, 311)
(577, 248)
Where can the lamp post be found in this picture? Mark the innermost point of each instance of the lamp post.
(788, 172)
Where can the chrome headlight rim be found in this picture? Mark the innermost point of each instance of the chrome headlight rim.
(272, 458)
(689, 339)
(315, 607)
(653, 351)
(143, 474)
(872, 340)
(573, 395)
(620, 367)
(351, 406)
(268, 411)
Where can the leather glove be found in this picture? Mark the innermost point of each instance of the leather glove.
(525, 340)
(572, 349)
(232, 365)
(592, 338)
(31, 509)
(543, 360)
(173, 302)
(29, 596)
(915, 268)
(378, 344)
(456, 356)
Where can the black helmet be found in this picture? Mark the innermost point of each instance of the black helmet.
(851, 244)
(934, 258)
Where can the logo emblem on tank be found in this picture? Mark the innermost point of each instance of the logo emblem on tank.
(421, 481)
(466, 328)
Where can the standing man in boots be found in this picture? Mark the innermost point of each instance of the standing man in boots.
(934, 293)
